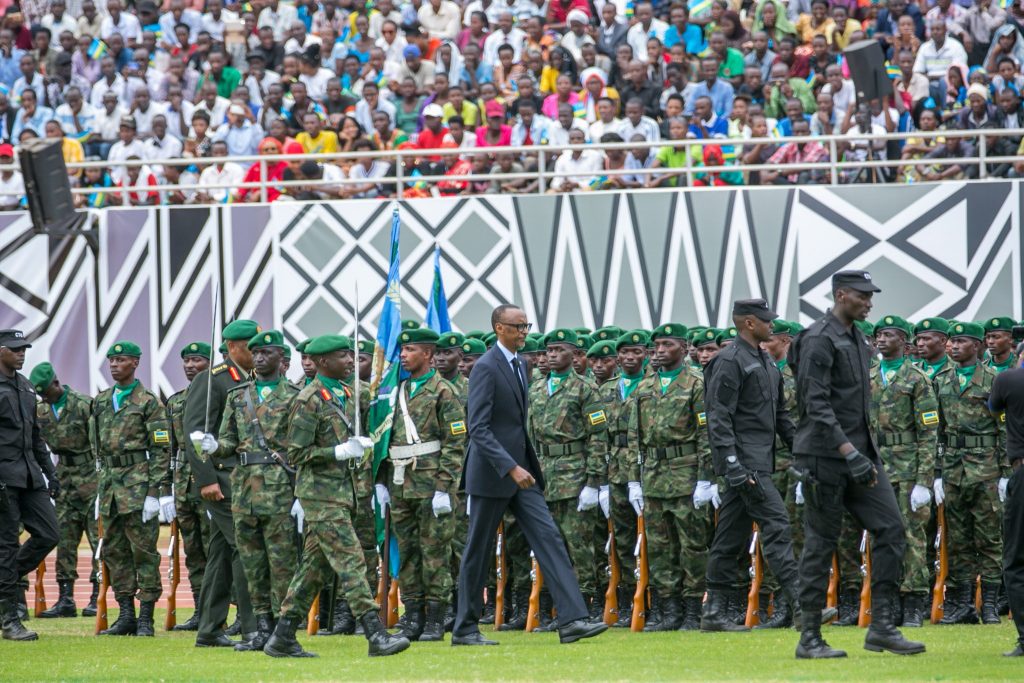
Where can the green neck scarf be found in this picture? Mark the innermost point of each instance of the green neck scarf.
(335, 386)
(888, 369)
(60, 403)
(555, 380)
(627, 383)
(122, 392)
(669, 376)
(417, 382)
(265, 388)
(934, 368)
(965, 375)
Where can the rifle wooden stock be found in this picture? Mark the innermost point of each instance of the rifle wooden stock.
(101, 600)
(537, 583)
(832, 596)
(499, 570)
(393, 602)
(864, 613)
(756, 578)
(640, 596)
(611, 594)
(40, 589)
(941, 565)
(173, 578)
(313, 618)
(384, 586)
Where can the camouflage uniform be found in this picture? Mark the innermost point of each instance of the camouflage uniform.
(460, 385)
(328, 491)
(193, 524)
(568, 427)
(133, 449)
(67, 436)
(614, 395)
(905, 417)
(424, 540)
(261, 491)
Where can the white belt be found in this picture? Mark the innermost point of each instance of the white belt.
(405, 456)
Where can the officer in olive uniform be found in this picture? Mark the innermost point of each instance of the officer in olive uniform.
(999, 343)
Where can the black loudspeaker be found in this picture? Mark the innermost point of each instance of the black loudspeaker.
(867, 66)
(48, 189)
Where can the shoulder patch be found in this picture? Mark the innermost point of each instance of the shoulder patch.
(930, 417)
(702, 419)
(235, 374)
(597, 417)
(457, 428)
(161, 436)
(326, 395)
(217, 369)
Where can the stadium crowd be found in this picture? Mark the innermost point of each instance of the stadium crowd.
(139, 80)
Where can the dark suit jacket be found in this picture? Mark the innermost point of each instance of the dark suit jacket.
(498, 441)
(607, 45)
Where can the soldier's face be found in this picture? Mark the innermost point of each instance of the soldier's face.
(365, 366)
(560, 357)
(855, 304)
(193, 365)
(890, 343)
(267, 360)
(53, 392)
(761, 330)
(631, 359)
(603, 367)
(776, 346)
(579, 361)
(337, 364)
(931, 345)
(964, 349)
(447, 360)
(308, 366)
(415, 358)
(669, 352)
(541, 358)
(122, 368)
(13, 359)
(706, 353)
(466, 365)
(999, 342)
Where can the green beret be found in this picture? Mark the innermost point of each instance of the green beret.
(410, 325)
(864, 326)
(473, 347)
(489, 339)
(530, 346)
(708, 336)
(450, 340)
(367, 346)
(287, 352)
(602, 349)
(728, 334)
(972, 330)
(581, 330)
(780, 326)
(301, 346)
(42, 376)
(196, 349)
(124, 348)
(894, 322)
(795, 327)
(327, 344)
(222, 349)
(418, 335)
(563, 335)
(267, 338)
(237, 330)
(634, 338)
(940, 325)
(669, 330)
(535, 336)
(476, 334)
(1000, 324)
(608, 333)
(584, 342)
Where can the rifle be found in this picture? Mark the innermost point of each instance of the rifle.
(173, 578)
(537, 584)
(101, 601)
(611, 595)
(499, 569)
(313, 618)
(40, 589)
(864, 615)
(756, 577)
(832, 596)
(941, 566)
(640, 596)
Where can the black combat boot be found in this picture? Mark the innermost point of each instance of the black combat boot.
(625, 607)
(282, 642)
(414, 618)
(65, 605)
(264, 627)
(144, 625)
(193, 621)
(595, 607)
(849, 608)
(13, 629)
(487, 617)
(1002, 601)
(344, 621)
(882, 635)
(813, 646)
(958, 607)
(126, 625)
(691, 609)
(520, 611)
(714, 617)
(670, 615)
(450, 612)
(380, 641)
(236, 627)
(90, 609)
(735, 606)
(652, 620)
(781, 616)
(433, 625)
(22, 603)
(913, 610)
(546, 622)
(989, 607)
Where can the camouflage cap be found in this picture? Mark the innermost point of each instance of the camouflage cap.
(267, 338)
(563, 335)
(450, 340)
(410, 324)
(634, 338)
(473, 347)
(238, 330)
(1001, 324)
(418, 335)
(894, 322)
(940, 325)
(366, 346)
(201, 349)
(607, 333)
(42, 376)
(328, 343)
(669, 330)
(602, 349)
(124, 348)
(301, 346)
(708, 336)
(971, 330)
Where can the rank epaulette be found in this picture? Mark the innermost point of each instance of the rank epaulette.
(217, 369)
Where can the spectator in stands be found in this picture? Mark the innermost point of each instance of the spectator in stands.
(367, 169)
(673, 157)
(12, 185)
(720, 92)
(504, 164)
(798, 152)
(865, 144)
(576, 169)
(31, 116)
(783, 88)
(952, 148)
(495, 133)
(936, 56)
(224, 174)
(138, 186)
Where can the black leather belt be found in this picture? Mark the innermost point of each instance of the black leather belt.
(226, 463)
(245, 459)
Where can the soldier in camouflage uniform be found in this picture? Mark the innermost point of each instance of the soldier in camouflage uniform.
(323, 449)
(252, 432)
(668, 429)
(707, 346)
(193, 525)
(472, 349)
(905, 419)
(1000, 345)
(973, 466)
(63, 417)
(308, 366)
(568, 425)
(132, 444)
(422, 471)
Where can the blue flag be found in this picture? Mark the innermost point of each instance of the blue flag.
(437, 307)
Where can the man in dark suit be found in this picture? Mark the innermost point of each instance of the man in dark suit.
(611, 33)
(502, 472)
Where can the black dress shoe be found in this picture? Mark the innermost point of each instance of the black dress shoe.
(580, 629)
(220, 640)
(476, 638)
(1015, 652)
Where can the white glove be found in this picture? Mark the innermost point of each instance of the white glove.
(919, 497)
(799, 493)
(702, 494)
(469, 502)
(940, 494)
(167, 507)
(716, 500)
(636, 497)
(1003, 481)
(150, 509)
(298, 513)
(589, 497)
(442, 504)
(604, 502)
(349, 450)
(381, 496)
(204, 443)
(365, 441)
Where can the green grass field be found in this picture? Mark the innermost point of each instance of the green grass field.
(67, 650)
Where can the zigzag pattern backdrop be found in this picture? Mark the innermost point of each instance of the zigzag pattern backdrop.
(636, 259)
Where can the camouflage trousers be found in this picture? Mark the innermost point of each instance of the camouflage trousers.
(424, 545)
(330, 548)
(129, 551)
(678, 539)
(194, 527)
(624, 527)
(974, 525)
(366, 531)
(916, 570)
(786, 484)
(75, 517)
(577, 530)
(848, 554)
(598, 524)
(266, 547)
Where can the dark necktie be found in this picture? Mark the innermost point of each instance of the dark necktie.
(519, 377)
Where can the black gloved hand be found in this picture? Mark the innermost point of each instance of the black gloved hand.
(862, 470)
(736, 474)
(53, 487)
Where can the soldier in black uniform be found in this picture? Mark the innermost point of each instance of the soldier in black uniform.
(223, 566)
(24, 493)
(745, 410)
(836, 454)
